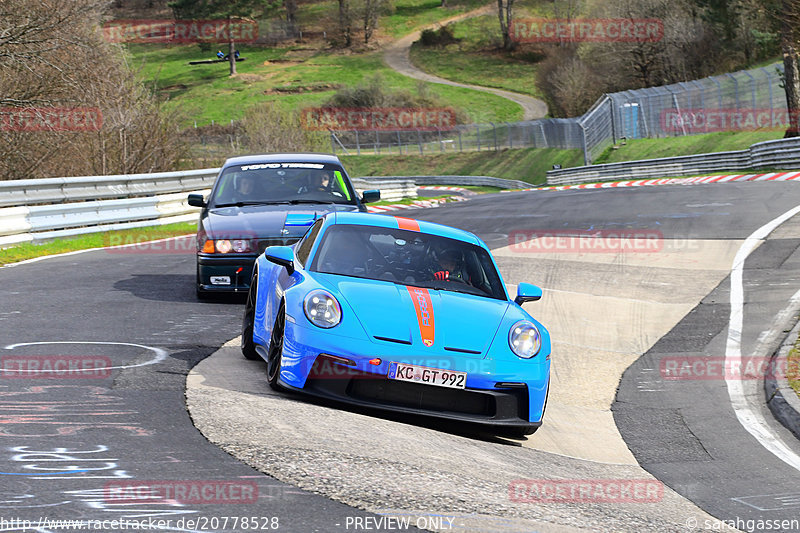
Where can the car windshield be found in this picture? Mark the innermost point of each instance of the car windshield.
(282, 183)
(408, 258)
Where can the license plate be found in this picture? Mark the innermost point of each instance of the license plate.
(451, 379)
(220, 280)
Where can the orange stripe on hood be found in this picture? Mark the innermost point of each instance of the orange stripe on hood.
(424, 307)
(407, 223)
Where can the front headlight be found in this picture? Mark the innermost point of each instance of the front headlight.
(224, 246)
(322, 309)
(524, 339)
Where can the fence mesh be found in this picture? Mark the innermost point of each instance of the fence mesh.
(748, 99)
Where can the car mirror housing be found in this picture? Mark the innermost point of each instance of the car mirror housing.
(527, 292)
(281, 255)
(197, 200)
(370, 196)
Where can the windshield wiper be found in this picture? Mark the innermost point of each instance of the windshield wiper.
(305, 201)
(243, 204)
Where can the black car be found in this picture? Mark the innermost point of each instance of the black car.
(265, 200)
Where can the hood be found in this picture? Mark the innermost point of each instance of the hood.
(259, 222)
(430, 321)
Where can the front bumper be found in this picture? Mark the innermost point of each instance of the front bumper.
(214, 270)
(497, 393)
(496, 408)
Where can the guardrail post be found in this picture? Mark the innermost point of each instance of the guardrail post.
(510, 138)
(478, 127)
(752, 88)
(419, 141)
(769, 85)
(494, 134)
(735, 88)
(586, 159)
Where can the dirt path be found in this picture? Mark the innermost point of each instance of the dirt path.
(397, 57)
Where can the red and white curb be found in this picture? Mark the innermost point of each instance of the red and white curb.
(417, 204)
(772, 176)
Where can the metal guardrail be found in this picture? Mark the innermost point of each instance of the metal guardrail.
(37, 210)
(781, 153)
(54, 190)
(478, 181)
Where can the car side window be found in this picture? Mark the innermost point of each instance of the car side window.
(307, 242)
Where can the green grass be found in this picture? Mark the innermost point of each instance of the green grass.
(528, 164)
(23, 251)
(206, 92)
(410, 15)
(691, 144)
(476, 59)
(793, 364)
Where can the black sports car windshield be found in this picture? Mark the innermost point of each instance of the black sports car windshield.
(408, 258)
(282, 183)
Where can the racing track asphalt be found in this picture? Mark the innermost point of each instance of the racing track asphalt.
(604, 310)
(134, 423)
(65, 441)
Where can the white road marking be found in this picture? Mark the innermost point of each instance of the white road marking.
(160, 354)
(751, 420)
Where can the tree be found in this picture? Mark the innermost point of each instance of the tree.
(370, 17)
(346, 22)
(222, 9)
(789, 17)
(505, 14)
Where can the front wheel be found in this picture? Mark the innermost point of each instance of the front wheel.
(248, 321)
(276, 350)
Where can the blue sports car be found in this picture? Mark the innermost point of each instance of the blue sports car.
(402, 315)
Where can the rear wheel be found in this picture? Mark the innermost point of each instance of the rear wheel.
(276, 350)
(248, 321)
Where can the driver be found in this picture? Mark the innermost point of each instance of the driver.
(451, 266)
(317, 182)
(245, 184)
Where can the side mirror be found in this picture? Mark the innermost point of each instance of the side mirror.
(281, 255)
(370, 196)
(527, 292)
(196, 200)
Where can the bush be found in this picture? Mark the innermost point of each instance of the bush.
(269, 129)
(439, 37)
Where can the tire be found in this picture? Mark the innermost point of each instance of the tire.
(248, 320)
(276, 349)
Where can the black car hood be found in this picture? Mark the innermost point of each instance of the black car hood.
(265, 221)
